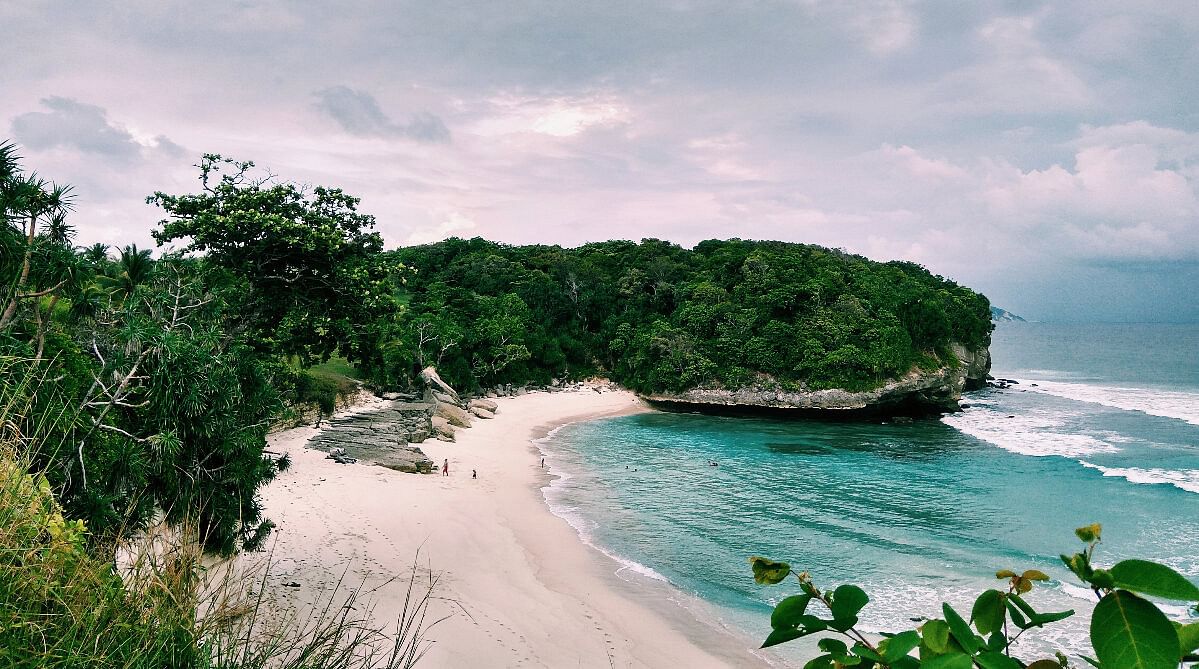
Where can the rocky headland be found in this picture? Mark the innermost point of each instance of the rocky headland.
(919, 393)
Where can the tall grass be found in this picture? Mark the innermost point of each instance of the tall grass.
(156, 601)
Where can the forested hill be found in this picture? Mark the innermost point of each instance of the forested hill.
(655, 316)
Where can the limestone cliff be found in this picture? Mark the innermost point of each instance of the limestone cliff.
(920, 392)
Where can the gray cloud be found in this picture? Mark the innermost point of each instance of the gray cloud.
(74, 124)
(358, 113)
(86, 128)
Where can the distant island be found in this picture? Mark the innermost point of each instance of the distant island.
(999, 315)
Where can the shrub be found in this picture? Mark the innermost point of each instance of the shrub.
(1127, 630)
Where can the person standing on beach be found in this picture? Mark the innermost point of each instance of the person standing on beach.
(445, 467)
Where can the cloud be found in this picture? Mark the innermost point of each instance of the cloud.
(69, 123)
(358, 113)
(1016, 73)
(449, 224)
(86, 128)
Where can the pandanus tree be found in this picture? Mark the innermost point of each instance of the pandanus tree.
(37, 263)
(32, 265)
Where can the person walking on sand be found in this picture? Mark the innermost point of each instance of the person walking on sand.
(445, 467)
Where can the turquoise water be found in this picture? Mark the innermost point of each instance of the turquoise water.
(919, 513)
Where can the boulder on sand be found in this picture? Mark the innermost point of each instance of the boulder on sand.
(481, 412)
(485, 404)
(455, 415)
(442, 428)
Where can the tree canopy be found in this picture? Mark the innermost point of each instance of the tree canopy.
(656, 316)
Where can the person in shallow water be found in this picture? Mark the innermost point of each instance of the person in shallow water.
(445, 467)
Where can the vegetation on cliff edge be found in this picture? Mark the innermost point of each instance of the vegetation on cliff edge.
(655, 316)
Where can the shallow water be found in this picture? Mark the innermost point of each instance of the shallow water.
(919, 513)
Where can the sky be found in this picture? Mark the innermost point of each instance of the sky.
(1046, 154)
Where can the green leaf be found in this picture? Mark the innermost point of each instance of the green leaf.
(783, 636)
(1045, 664)
(834, 647)
(1188, 637)
(1130, 633)
(1101, 578)
(820, 662)
(960, 630)
(1091, 661)
(1023, 605)
(1016, 615)
(1079, 564)
(768, 572)
(1046, 618)
(788, 612)
(1089, 533)
(899, 645)
(1035, 575)
(847, 600)
(995, 660)
(936, 635)
(948, 661)
(864, 651)
(842, 624)
(1151, 578)
(988, 612)
(812, 624)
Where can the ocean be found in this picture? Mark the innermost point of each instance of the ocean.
(1102, 426)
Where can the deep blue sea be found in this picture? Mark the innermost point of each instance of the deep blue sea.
(1103, 426)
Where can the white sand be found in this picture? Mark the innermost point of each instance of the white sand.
(526, 591)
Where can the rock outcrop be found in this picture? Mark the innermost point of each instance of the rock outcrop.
(456, 415)
(433, 381)
(480, 412)
(485, 404)
(381, 436)
(919, 393)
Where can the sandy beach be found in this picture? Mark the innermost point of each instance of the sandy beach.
(520, 587)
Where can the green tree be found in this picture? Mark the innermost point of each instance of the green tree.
(307, 262)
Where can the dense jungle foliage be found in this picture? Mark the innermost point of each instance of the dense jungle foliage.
(656, 316)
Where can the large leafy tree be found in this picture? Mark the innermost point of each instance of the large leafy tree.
(307, 263)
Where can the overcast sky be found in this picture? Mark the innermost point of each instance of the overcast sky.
(1046, 154)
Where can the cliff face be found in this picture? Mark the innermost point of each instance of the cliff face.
(920, 392)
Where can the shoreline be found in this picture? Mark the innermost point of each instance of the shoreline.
(520, 584)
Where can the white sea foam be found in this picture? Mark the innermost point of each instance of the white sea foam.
(1183, 479)
(1030, 433)
(1166, 403)
(553, 495)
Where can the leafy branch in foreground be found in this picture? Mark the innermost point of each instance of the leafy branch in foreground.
(1127, 630)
